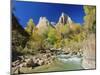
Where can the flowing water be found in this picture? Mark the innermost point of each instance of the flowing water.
(70, 62)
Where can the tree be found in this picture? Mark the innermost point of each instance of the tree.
(90, 18)
(30, 26)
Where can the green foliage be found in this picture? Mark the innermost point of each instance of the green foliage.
(79, 37)
(30, 26)
(90, 18)
(52, 36)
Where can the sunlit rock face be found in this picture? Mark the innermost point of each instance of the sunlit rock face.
(43, 24)
(64, 19)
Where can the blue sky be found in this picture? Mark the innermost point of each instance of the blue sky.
(26, 10)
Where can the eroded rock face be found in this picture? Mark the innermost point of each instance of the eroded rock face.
(64, 19)
(43, 24)
(89, 57)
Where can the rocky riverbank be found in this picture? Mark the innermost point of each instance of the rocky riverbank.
(32, 61)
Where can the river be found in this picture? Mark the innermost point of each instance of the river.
(70, 62)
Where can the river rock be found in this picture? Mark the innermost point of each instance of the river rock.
(41, 62)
